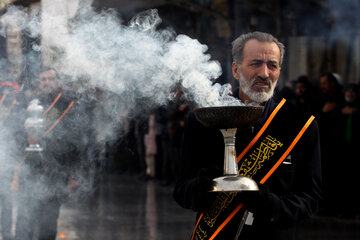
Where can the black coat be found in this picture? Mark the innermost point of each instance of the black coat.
(45, 174)
(292, 193)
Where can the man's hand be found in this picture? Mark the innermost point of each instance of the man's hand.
(257, 201)
(328, 107)
(348, 110)
(33, 140)
(202, 185)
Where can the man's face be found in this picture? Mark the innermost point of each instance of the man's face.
(259, 71)
(350, 95)
(325, 84)
(48, 81)
(300, 89)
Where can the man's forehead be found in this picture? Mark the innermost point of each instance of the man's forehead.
(255, 49)
(48, 72)
(324, 79)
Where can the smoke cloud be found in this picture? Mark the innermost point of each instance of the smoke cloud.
(136, 66)
(136, 60)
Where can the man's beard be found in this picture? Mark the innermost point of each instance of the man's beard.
(261, 95)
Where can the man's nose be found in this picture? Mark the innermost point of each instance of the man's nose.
(264, 71)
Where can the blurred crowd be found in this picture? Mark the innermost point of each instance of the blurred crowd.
(336, 107)
(151, 147)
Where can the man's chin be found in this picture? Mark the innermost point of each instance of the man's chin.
(261, 89)
(259, 96)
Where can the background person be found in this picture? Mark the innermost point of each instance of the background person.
(47, 178)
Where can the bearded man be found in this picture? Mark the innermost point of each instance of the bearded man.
(292, 192)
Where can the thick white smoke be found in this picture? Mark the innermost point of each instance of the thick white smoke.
(137, 67)
(137, 60)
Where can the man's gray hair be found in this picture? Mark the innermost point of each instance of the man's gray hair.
(239, 43)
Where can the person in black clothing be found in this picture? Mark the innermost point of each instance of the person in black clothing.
(332, 98)
(345, 138)
(177, 111)
(290, 194)
(332, 92)
(46, 178)
(305, 98)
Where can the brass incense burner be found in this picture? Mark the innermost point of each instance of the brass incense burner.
(228, 119)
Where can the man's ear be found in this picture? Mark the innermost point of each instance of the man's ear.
(235, 70)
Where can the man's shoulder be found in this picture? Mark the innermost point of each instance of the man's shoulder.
(293, 112)
(290, 118)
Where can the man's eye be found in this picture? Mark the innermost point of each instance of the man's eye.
(255, 64)
(272, 66)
